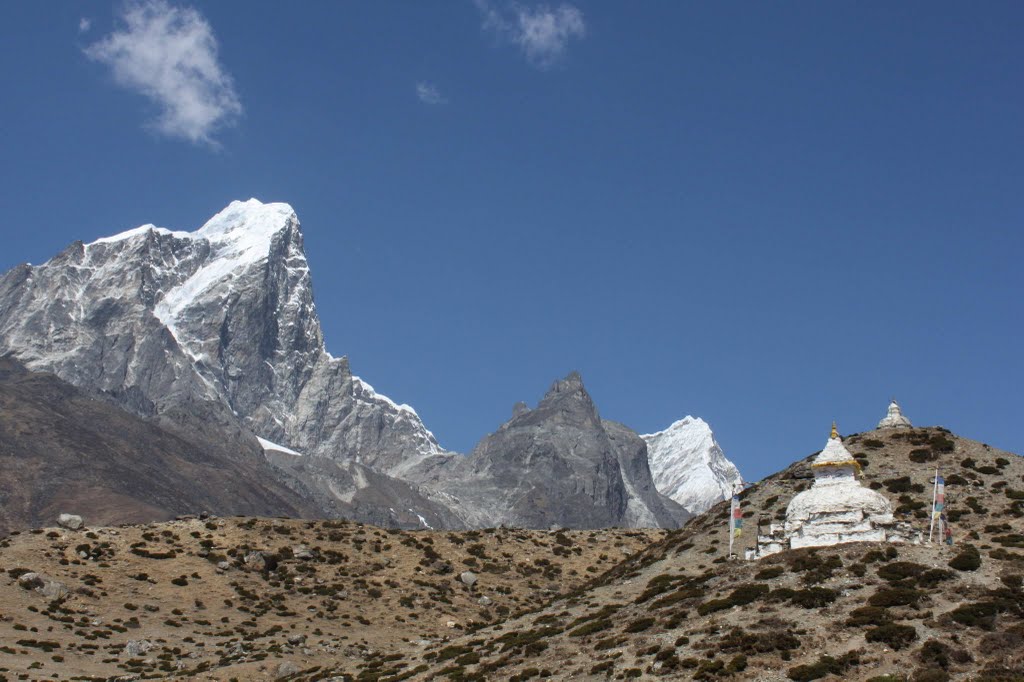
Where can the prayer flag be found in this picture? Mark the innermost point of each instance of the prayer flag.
(737, 517)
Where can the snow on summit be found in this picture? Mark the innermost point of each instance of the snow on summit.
(689, 466)
(223, 314)
(240, 235)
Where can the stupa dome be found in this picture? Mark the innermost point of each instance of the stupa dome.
(894, 418)
(837, 508)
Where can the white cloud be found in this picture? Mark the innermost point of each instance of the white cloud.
(169, 54)
(84, 24)
(429, 94)
(542, 33)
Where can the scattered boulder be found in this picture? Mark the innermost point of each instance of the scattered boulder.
(70, 521)
(286, 669)
(137, 647)
(296, 640)
(53, 589)
(440, 567)
(484, 601)
(255, 561)
(30, 581)
(223, 565)
(303, 553)
(44, 585)
(468, 578)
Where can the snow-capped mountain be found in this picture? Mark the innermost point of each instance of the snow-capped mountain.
(689, 466)
(222, 315)
(215, 331)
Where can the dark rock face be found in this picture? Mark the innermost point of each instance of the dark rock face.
(61, 448)
(558, 464)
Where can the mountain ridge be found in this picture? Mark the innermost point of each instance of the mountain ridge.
(221, 323)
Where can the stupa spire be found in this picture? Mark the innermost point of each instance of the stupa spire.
(835, 433)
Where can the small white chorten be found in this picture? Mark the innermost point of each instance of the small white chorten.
(837, 508)
(894, 418)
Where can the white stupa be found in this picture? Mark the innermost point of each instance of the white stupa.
(834, 510)
(894, 418)
(837, 508)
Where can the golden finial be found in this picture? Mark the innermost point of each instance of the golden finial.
(835, 434)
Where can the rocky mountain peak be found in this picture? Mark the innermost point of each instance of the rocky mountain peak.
(689, 466)
(559, 464)
(223, 314)
(566, 400)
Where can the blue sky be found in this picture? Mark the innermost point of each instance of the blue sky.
(767, 215)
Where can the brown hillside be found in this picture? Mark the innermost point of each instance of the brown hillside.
(334, 597)
(683, 610)
(63, 450)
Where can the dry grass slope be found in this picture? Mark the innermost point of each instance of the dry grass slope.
(682, 610)
(257, 599)
(247, 598)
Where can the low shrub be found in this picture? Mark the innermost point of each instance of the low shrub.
(900, 570)
(737, 665)
(893, 634)
(922, 455)
(1011, 540)
(980, 615)
(815, 567)
(868, 615)
(770, 572)
(751, 643)
(709, 670)
(895, 596)
(825, 666)
(590, 628)
(902, 485)
(934, 654)
(742, 595)
(934, 576)
(640, 625)
(969, 559)
(1000, 643)
(814, 597)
